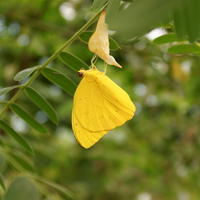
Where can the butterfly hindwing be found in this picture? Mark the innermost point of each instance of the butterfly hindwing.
(84, 137)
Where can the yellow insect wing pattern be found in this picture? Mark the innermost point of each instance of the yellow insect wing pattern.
(100, 105)
(84, 137)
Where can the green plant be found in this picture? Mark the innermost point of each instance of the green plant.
(181, 22)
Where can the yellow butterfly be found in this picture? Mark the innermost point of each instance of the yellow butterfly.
(99, 106)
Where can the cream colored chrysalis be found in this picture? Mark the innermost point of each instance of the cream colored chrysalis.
(99, 43)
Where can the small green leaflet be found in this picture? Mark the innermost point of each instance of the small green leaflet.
(167, 38)
(19, 161)
(184, 48)
(28, 118)
(24, 73)
(18, 138)
(8, 89)
(62, 81)
(2, 183)
(72, 61)
(20, 184)
(56, 186)
(42, 103)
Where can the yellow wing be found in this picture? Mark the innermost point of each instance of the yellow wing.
(84, 137)
(100, 105)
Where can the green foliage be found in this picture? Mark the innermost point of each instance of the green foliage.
(18, 138)
(97, 4)
(24, 73)
(134, 15)
(186, 19)
(8, 89)
(184, 14)
(112, 10)
(26, 117)
(2, 183)
(184, 48)
(19, 161)
(72, 61)
(167, 38)
(15, 190)
(155, 155)
(62, 81)
(42, 103)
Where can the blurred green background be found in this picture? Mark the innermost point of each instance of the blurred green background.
(153, 156)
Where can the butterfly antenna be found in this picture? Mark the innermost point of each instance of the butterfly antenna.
(63, 74)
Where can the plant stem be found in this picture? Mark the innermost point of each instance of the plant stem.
(47, 62)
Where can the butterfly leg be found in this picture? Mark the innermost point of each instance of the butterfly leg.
(93, 66)
(94, 59)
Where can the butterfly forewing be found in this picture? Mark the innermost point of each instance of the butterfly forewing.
(89, 104)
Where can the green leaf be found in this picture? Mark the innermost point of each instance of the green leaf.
(42, 103)
(85, 36)
(128, 1)
(186, 19)
(28, 118)
(22, 189)
(184, 48)
(7, 89)
(140, 17)
(193, 17)
(113, 44)
(62, 81)
(98, 3)
(167, 38)
(72, 61)
(112, 9)
(24, 73)
(3, 163)
(15, 136)
(180, 21)
(2, 183)
(56, 186)
(22, 160)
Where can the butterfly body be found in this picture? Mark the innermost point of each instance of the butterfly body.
(100, 105)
